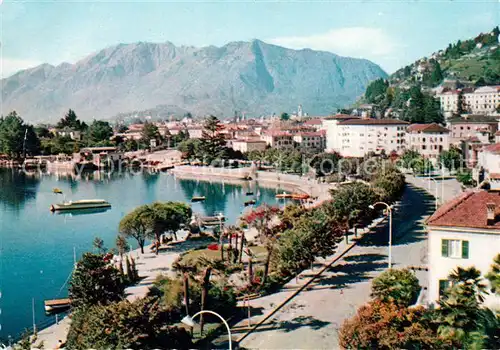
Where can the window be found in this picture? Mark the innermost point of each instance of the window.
(443, 285)
(454, 248)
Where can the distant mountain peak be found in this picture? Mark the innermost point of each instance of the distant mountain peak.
(247, 76)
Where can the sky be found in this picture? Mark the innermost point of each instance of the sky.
(389, 33)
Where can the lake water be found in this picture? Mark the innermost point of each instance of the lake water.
(36, 246)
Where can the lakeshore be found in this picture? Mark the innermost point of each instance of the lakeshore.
(32, 197)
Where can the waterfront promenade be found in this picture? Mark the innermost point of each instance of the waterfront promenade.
(150, 265)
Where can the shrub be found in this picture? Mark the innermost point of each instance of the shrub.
(123, 325)
(379, 325)
(396, 286)
(95, 281)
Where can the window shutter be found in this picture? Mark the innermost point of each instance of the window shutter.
(465, 249)
(444, 247)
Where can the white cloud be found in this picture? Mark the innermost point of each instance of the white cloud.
(363, 42)
(10, 66)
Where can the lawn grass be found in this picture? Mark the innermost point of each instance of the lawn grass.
(192, 256)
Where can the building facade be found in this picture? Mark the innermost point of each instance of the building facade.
(482, 100)
(464, 232)
(428, 139)
(468, 126)
(278, 139)
(245, 146)
(333, 135)
(358, 137)
(310, 141)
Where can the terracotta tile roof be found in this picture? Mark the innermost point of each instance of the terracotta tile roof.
(494, 176)
(468, 210)
(311, 134)
(373, 122)
(433, 127)
(474, 118)
(313, 122)
(342, 117)
(494, 148)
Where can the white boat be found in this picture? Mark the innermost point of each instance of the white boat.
(81, 204)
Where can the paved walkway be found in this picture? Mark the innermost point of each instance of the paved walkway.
(312, 319)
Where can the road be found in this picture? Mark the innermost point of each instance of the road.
(312, 319)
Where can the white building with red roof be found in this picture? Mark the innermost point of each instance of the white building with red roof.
(428, 139)
(333, 135)
(464, 232)
(358, 137)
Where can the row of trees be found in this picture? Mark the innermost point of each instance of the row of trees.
(151, 221)
(460, 322)
(299, 236)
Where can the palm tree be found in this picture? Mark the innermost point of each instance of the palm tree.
(122, 245)
(494, 275)
(470, 279)
(460, 315)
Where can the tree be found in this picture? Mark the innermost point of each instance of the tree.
(71, 121)
(325, 163)
(167, 217)
(375, 91)
(212, 143)
(150, 132)
(261, 219)
(95, 282)
(379, 325)
(494, 275)
(43, 132)
(17, 137)
(350, 203)
(135, 224)
(396, 286)
(122, 245)
(451, 159)
(284, 116)
(99, 132)
(460, 316)
(190, 148)
(125, 325)
(461, 104)
(436, 75)
(99, 245)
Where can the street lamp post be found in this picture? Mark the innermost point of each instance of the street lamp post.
(188, 320)
(390, 228)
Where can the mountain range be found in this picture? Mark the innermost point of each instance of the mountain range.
(249, 77)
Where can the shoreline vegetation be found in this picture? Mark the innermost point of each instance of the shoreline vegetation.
(284, 256)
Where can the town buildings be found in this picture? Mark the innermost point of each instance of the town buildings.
(278, 139)
(482, 100)
(333, 135)
(428, 139)
(358, 137)
(464, 232)
(310, 141)
(249, 145)
(473, 125)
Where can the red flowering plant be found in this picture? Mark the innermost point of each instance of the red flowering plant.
(264, 220)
